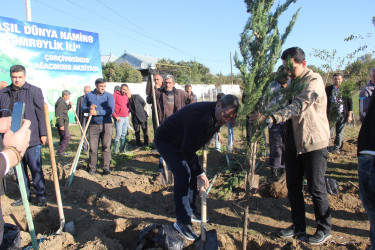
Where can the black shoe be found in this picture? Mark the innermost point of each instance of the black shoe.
(106, 171)
(333, 150)
(196, 217)
(17, 203)
(273, 175)
(41, 202)
(292, 231)
(62, 154)
(319, 237)
(186, 230)
(92, 171)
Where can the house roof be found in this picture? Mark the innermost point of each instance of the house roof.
(108, 58)
(137, 61)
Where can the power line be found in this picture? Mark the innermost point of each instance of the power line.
(154, 39)
(148, 36)
(126, 19)
(93, 24)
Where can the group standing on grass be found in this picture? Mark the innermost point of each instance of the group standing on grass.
(300, 126)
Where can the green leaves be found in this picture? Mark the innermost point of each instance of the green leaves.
(113, 72)
(230, 183)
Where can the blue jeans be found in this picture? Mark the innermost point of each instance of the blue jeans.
(340, 127)
(185, 181)
(366, 180)
(230, 137)
(121, 128)
(33, 159)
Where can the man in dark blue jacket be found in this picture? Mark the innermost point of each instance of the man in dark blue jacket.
(177, 140)
(32, 96)
(101, 105)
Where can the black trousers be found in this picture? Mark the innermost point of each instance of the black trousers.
(64, 139)
(137, 130)
(313, 166)
(185, 181)
(99, 132)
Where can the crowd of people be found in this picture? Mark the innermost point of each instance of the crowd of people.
(299, 136)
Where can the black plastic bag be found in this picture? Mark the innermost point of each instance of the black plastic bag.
(11, 237)
(160, 236)
(332, 186)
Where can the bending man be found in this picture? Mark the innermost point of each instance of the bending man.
(177, 140)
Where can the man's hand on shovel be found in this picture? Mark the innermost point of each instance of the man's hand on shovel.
(202, 183)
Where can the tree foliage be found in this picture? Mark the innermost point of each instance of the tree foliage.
(113, 72)
(193, 72)
(318, 70)
(359, 70)
(260, 48)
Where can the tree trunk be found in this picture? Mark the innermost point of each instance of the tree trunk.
(249, 184)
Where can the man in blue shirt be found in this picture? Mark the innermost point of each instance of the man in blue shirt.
(101, 105)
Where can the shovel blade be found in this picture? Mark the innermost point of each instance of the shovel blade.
(162, 179)
(170, 178)
(69, 227)
(211, 242)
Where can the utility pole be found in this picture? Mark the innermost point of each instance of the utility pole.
(231, 73)
(28, 11)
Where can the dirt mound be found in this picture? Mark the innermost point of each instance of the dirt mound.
(278, 189)
(113, 209)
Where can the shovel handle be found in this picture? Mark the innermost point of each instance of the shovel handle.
(76, 158)
(80, 126)
(203, 216)
(165, 171)
(54, 169)
(205, 157)
(154, 100)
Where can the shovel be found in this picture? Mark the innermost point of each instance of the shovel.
(69, 227)
(207, 240)
(165, 178)
(54, 170)
(76, 158)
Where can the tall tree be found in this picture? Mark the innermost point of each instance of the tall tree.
(124, 72)
(260, 48)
